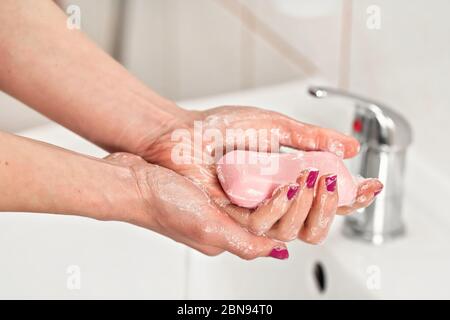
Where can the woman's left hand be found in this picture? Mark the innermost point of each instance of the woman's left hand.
(199, 166)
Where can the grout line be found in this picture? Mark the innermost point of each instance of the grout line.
(247, 57)
(118, 25)
(345, 45)
(258, 27)
(171, 44)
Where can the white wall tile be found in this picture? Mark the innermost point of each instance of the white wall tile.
(150, 44)
(186, 49)
(209, 49)
(97, 19)
(313, 28)
(406, 64)
(183, 48)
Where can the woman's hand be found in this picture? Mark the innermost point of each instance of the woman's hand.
(303, 215)
(122, 187)
(303, 210)
(175, 207)
(121, 113)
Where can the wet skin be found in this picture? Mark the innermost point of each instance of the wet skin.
(63, 75)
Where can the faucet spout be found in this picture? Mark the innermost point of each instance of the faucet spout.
(385, 136)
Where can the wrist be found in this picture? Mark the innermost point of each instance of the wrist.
(119, 197)
(153, 123)
(132, 194)
(145, 123)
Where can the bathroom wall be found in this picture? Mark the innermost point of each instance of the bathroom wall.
(191, 48)
(179, 46)
(406, 64)
(186, 49)
(98, 20)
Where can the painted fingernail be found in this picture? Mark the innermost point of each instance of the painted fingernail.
(312, 177)
(292, 191)
(279, 253)
(330, 182)
(377, 193)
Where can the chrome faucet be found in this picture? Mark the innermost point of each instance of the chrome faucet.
(384, 136)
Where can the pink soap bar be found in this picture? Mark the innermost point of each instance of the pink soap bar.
(250, 177)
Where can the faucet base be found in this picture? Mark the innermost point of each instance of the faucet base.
(351, 232)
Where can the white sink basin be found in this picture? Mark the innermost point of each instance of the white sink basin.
(121, 261)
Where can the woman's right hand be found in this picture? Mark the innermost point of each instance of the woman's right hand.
(305, 209)
(306, 215)
(175, 207)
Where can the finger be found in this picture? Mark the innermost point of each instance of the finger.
(192, 241)
(239, 214)
(272, 210)
(124, 158)
(240, 242)
(251, 141)
(289, 225)
(205, 249)
(308, 137)
(322, 212)
(367, 191)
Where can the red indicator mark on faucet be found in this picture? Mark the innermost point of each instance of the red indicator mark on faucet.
(357, 125)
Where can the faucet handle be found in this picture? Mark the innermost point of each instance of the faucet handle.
(374, 124)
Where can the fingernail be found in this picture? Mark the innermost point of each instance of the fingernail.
(330, 182)
(292, 191)
(312, 177)
(377, 193)
(279, 253)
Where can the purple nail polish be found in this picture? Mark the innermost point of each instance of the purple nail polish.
(279, 253)
(377, 193)
(292, 191)
(330, 182)
(312, 177)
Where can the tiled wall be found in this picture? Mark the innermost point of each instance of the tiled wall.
(98, 20)
(406, 63)
(201, 47)
(191, 48)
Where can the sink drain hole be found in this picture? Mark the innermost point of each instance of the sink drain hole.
(320, 277)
